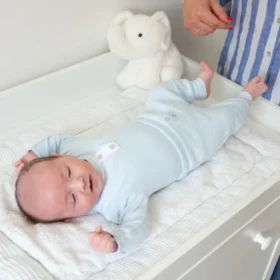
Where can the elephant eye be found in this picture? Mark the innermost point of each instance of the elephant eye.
(140, 35)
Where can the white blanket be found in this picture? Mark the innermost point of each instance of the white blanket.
(177, 212)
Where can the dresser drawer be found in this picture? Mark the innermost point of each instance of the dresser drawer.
(249, 253)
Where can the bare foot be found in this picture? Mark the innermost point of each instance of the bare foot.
(206, 74)
(256, 87)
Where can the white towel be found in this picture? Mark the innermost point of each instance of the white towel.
(176, 213)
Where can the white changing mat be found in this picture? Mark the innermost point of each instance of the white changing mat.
(177, 212)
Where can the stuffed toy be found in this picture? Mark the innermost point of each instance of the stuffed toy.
(145, 41)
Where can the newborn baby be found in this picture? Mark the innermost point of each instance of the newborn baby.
(114, 175)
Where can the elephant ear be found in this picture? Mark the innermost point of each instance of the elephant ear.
(116, 37)
(162, 19)
(122, 17)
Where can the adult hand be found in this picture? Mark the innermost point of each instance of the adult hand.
(203, 17)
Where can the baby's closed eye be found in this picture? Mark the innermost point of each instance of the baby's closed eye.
(69, 172)
(74, 199)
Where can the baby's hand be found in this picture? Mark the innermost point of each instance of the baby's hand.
(102, 242)
(24, 160)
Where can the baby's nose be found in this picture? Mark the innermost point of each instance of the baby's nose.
(78, 185)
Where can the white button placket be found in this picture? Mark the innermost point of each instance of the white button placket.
(106, 151)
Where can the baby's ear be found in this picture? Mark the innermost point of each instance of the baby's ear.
(55, 155)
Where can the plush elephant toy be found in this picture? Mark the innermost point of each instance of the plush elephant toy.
(145, 41)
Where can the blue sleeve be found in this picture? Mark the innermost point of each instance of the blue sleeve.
(184, 89)
(226, 4)
(133, 229)
(49, 145)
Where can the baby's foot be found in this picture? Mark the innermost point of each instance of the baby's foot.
(256, 87)
(206, 74)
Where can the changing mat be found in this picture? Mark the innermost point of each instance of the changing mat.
(176, 213)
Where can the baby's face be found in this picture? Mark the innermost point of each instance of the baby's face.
(62, 188)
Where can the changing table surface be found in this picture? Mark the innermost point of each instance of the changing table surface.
(43, 100)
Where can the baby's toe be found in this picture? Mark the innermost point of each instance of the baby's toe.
(202, 65)
(262, 85)
(256, 79)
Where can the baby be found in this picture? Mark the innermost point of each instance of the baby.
(114, 175)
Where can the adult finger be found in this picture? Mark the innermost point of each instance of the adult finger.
(219, 11)
(202, 29)
(213, 21)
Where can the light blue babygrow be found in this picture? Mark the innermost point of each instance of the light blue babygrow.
(168, 140)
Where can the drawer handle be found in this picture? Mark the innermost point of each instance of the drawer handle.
(263, 241)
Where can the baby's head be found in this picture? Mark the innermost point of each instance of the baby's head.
(57, 188)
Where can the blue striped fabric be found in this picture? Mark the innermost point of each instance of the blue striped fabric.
(253, 46)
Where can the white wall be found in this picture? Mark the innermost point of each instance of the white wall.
(41, 36)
